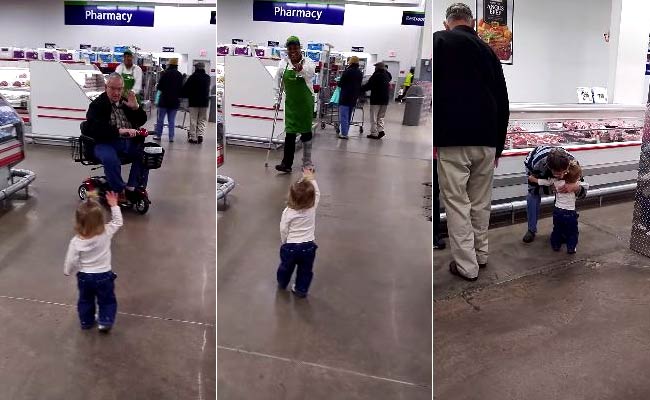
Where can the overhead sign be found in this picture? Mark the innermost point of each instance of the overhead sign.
(83, 13)
(213, 17)
(271, 43)
(237, 41)
(357, 49)
(413, 18)
(85, 47)
(167, 49)
(50, 45)
(298, 13)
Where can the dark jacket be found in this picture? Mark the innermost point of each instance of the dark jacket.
(379, 86)
(170, 86)
(470, 97)
(98, 120)
(197, 89)
(350, 84)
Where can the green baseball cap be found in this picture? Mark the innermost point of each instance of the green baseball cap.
(128, 52)
(293, 40)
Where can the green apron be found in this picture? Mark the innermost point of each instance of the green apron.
(129, 82)
(298, 104)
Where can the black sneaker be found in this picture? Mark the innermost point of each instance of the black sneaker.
(282, 168)
(529, 237)
(297, 293)
(571, 251)
(371, 136)
(104, 328)
(192, 141)
(200, 139)
(453, 269)
(439, 244)
(381, 135)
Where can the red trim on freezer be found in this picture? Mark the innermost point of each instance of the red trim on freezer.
(12, 147)
(254, 117)
(62, 108)
(602, 146)
(255, 107)
(8, 160)
(58, 117)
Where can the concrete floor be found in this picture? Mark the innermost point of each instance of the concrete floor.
(545, 325)
(365, 330)
(163, 342)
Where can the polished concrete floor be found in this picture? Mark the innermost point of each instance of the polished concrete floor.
(544, 325)
(163, 342)
(364, 332)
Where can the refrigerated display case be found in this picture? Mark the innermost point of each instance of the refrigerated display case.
(605, 138)
(12, 152)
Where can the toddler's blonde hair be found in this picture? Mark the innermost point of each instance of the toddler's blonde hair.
(302, 195)
(89, 218)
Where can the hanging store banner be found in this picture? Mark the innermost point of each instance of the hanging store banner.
(413, 18)
(495, 22)
(84, 13)
(357, 49)
(298, 13)
(272, 43)
(213, 17)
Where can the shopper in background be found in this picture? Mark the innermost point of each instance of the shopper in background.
(131, 73)
(297, 232)
(379, 87)
(197, 91)
(408, 82)
(546, 162)
(170, 86)
(89, 255)
(438, 243)
(295, 76)
(112, 121)
(470, 119)
(350, 84)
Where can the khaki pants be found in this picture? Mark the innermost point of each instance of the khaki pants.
(377, 114)
(465, 175)
(198, 119)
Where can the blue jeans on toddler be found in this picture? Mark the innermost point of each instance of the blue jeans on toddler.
(101, 288)
(565, 229)
(301, 255)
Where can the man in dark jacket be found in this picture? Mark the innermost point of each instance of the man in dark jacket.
(170, 86)
(197, 91)
(350, 84)
(112, 121)
(470, 119)
(378, 84)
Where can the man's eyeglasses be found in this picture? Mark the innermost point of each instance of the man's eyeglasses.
(116, 88)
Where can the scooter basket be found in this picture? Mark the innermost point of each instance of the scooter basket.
(152, 155)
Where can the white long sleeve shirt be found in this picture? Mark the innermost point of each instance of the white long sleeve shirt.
(299, 226)
(93, 256)
(308, 72)
(565, 201)
(136, 71)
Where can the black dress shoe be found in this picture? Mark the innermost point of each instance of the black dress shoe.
(282, 168)
(529, 237)
(481, 266)
(381, 134)
(200, 139)
(372, 137)
(439, 244)
(453, 269)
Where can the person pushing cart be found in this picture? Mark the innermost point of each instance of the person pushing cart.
(294, 81)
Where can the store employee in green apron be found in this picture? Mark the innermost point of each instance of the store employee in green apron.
(132, 75)
(295, 77)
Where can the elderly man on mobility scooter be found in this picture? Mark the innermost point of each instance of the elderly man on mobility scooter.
(112, 122)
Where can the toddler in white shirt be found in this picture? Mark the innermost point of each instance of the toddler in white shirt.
(565, 216)
(297, 231)
(89, 253)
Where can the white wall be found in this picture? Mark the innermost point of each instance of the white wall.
(378, 29)
(32, 23)
(558, 46)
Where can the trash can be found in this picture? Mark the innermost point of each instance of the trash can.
(413, 110)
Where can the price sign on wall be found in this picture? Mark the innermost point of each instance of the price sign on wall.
(495, 21)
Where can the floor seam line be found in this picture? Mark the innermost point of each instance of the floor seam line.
(53, 303)
(322, 366)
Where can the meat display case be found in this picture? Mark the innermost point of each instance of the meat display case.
(605, 138)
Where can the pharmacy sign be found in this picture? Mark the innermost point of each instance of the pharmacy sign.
(298, 13)
(85, 13)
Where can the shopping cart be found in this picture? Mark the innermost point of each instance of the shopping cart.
(330, 115)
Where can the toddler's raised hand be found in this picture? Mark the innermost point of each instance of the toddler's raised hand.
(111, 199)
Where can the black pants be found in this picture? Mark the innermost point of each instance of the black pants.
(290, 146)
(401, 96)
(435, 208)
(565, 229)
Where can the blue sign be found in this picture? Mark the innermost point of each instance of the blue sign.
(413, 18)
(298, 13)
(80, 13)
